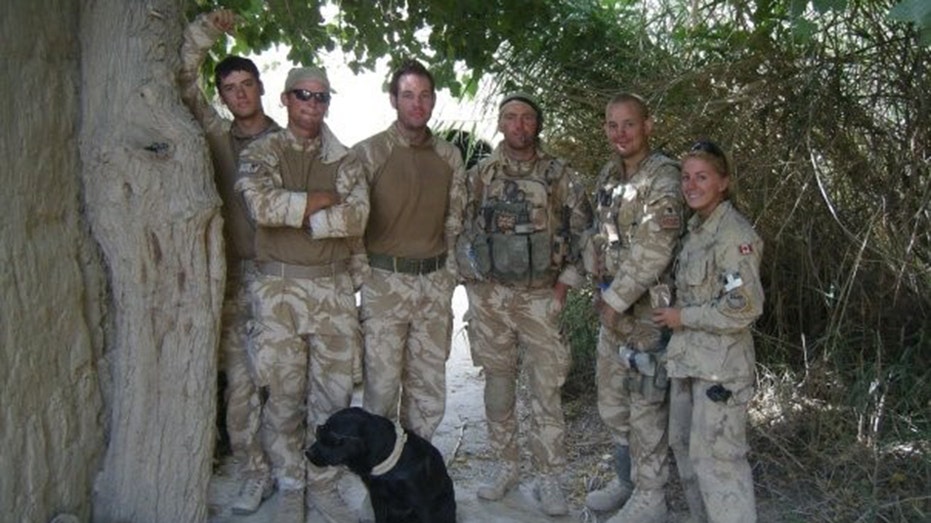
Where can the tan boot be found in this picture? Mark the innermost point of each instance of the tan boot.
(644, 506)
(610, 497)
(252, 493)
(613, 495)
(551, 496)
(504, 478)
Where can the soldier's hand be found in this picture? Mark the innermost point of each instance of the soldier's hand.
(609, 316)
(667, 317)
(559, 293)
(224, 20)
(317, 200)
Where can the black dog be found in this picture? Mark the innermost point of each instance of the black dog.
(406, 482)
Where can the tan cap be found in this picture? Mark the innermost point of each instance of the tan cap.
(299, 74)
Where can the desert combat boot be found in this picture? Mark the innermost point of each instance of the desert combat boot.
(613, 495)
(552, 500)
(505, 478)
(644, 506)
(253, 492)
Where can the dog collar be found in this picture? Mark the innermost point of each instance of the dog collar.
(392, 459)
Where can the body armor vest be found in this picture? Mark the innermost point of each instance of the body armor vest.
(518, 240)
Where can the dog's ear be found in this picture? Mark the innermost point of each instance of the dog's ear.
(379, 436)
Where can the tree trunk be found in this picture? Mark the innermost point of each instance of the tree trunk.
(52, 298)
(155, 214)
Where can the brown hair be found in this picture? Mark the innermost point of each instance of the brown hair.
(409, 67)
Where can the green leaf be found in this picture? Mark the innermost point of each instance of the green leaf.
(823, 6)
(916, 11)
(797, 8)
(803, 30)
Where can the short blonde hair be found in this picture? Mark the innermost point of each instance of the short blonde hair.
(629, 98)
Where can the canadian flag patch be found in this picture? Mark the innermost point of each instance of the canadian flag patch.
(745, 248)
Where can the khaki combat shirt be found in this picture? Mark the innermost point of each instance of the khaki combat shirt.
(225, 139)
(720, 296)
(646, 210)
(277, 172)
(415, 194)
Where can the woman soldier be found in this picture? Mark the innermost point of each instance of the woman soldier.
(710, 356)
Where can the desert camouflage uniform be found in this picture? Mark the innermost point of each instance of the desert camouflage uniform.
(406, 307)
(638, 223)
(505, 315)
(720, 296)
(243, 410)
(306, 324)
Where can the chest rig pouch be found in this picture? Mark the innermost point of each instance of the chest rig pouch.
(619, 206)
(516, 243)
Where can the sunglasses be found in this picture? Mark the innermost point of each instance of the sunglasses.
(305, 96)
(709, 147)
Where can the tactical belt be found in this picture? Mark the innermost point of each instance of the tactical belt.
(287, 270)
(407, 265)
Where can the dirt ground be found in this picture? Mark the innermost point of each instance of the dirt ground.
(461, 438)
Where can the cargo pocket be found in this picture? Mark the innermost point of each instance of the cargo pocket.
(259, 366)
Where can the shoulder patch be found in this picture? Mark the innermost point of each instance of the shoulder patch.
(745, 248)
(670, 219)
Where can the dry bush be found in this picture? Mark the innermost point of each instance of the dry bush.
(830, 137)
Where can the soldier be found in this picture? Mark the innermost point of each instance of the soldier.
(416, 190)
(306, 321)
(710, 356)
(524, 217)
(638, 222)
(240, 89)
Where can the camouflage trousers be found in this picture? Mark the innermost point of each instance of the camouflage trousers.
(635, 412)
(243, 404)
(304, 334)
(407, 323)
(502, 321)
(709, 440)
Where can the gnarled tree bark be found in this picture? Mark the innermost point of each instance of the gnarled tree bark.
(154, 212)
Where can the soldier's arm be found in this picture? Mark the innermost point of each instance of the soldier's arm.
(580, 220)
(261, 186)
(458, 196)
(347, 218)
(740, 298)
(358, 262)
(199, 37)
(653, 245)
(472, 196)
